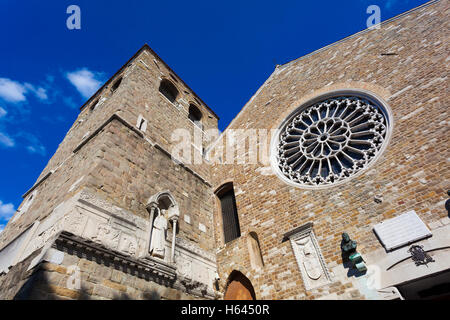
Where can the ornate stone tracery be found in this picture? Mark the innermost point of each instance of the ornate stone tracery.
(332, 140)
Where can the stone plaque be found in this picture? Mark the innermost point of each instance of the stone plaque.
(401, 230)
(309, 258)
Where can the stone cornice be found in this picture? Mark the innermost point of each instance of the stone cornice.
(37, 184)
(147, 268)
(304, 228)
(140, 134)
(113, 117)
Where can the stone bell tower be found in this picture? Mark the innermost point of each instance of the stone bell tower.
(112, 215)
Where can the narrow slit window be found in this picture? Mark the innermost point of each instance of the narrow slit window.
(94, 104)
(230, 218)
(141, 123)
(116, 85)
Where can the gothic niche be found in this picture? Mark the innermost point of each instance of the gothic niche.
(256, 259)
(163, 210)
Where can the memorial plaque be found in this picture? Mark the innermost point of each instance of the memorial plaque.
(401, 230)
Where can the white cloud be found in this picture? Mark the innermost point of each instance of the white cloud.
(33, 144)
(6, 141)
(40, 92)
(2, 226)
(24, 139)
(39, 149)
(14, 92)
(85, 81)
(6, 210)
(2, 112)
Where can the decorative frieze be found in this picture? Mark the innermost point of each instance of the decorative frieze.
(87, 223)
(155, 269)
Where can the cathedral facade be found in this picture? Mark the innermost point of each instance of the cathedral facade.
(331, 183)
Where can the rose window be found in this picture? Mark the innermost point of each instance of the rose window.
(331, 141)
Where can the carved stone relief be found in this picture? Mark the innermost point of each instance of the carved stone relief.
(193, 265)
(128, 244)
(88, 218)
(107, 235)
(311, 261)
(184, 266)
(309, 258)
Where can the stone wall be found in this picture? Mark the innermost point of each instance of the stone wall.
(18, 282)
(136, 95)
(107, 154)
(121, 166)
(404, 63)
(51, 281)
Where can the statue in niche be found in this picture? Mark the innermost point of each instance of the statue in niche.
(158, 240)
(310, 259)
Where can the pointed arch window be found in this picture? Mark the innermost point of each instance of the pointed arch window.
(195, 115)
(169, 90)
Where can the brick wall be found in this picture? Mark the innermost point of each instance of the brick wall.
(411, 174)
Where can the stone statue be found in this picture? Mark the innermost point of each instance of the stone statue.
(158, 241)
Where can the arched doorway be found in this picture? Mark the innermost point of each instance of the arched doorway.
(239, 287)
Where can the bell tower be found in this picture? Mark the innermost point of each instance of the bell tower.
(115, 214)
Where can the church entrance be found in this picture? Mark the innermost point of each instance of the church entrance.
(436, 287)
(239, 287)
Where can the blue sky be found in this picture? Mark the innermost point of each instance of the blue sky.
(224, 50)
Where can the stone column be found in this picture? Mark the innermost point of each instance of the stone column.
(174, 232)
(152, 215)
